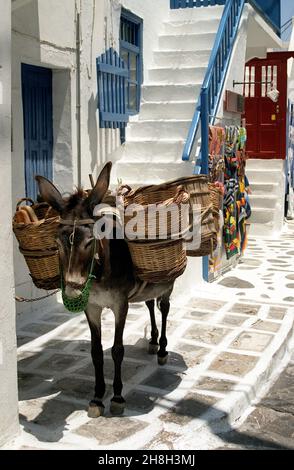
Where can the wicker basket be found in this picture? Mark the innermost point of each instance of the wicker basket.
(200, 195)
(216, 198)
(158, 260)
(38, 245)
(162, 217)
(152, 194)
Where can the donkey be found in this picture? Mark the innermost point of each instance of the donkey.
(114, 285)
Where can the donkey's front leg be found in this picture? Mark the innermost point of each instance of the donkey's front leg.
(117, 402)
(164, 306)
(96, 407)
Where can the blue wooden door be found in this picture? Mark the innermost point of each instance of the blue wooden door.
(38, 125)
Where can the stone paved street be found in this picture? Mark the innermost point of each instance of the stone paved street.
(271, 424)
(227, 344)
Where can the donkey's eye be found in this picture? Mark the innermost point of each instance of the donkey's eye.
(89, 242)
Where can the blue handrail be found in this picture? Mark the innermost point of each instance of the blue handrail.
(214, 80)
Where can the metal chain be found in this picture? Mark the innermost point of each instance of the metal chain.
(35, 299)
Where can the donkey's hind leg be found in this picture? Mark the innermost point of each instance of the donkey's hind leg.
(153, 343)
(163, 305)
(96, 407)
(117, 402)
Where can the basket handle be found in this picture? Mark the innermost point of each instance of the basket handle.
(47, 211)
(122, 187)
(206, 212)
(24, 199)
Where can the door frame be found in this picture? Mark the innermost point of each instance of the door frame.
(274, 58)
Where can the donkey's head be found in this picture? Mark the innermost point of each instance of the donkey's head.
(75, 238)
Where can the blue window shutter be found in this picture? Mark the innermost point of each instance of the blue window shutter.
(111, 76)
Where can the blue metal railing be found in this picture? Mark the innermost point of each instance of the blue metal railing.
(213, 83)
(270, 10)
(214, 80)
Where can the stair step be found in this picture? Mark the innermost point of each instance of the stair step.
(267, 201)
(181, 58)
(167, 110)
(180, 92)
(262, 164)
(137, 173)
(263, 188)
(153, 129)
(209, 12)
(153, 150)
(262, 230)
(264, 175)
(186, 42)
(177, 75)
(209, 25)
(262, 216)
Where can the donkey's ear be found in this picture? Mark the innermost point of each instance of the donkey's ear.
(100, 188)
(50, 193)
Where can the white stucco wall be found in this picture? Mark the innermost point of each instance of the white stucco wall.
(36, 42)
(8, 379)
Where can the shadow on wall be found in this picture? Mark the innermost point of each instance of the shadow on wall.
(93, 133)
(104, 142)
(62, 131)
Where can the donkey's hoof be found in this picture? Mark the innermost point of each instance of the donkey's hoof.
(95, 409)
(162, 360)
(153, 348)
(117, 407)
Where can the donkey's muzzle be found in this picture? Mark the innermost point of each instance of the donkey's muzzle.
(73, 290)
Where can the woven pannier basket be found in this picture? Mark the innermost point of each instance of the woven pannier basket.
(216, 200)
(200, 195)
(37, 243)
(158, 259)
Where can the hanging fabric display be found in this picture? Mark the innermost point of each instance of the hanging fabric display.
(235, 237)
(227, 161)
(231, 239)
(216, 166)
(242, 200)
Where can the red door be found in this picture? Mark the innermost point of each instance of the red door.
(266, 120)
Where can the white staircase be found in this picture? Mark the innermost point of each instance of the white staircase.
(155, 138)
(267, 181)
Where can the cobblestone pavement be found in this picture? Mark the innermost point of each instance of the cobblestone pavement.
(226, 345)
(271, 423)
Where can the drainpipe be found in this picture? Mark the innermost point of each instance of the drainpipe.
(78, 99)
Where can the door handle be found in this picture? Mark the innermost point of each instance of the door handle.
(278, 109)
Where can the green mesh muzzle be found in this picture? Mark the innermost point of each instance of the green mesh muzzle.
(79, 304)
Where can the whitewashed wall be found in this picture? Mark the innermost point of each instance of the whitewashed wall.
(35, 41)
(8, 379)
